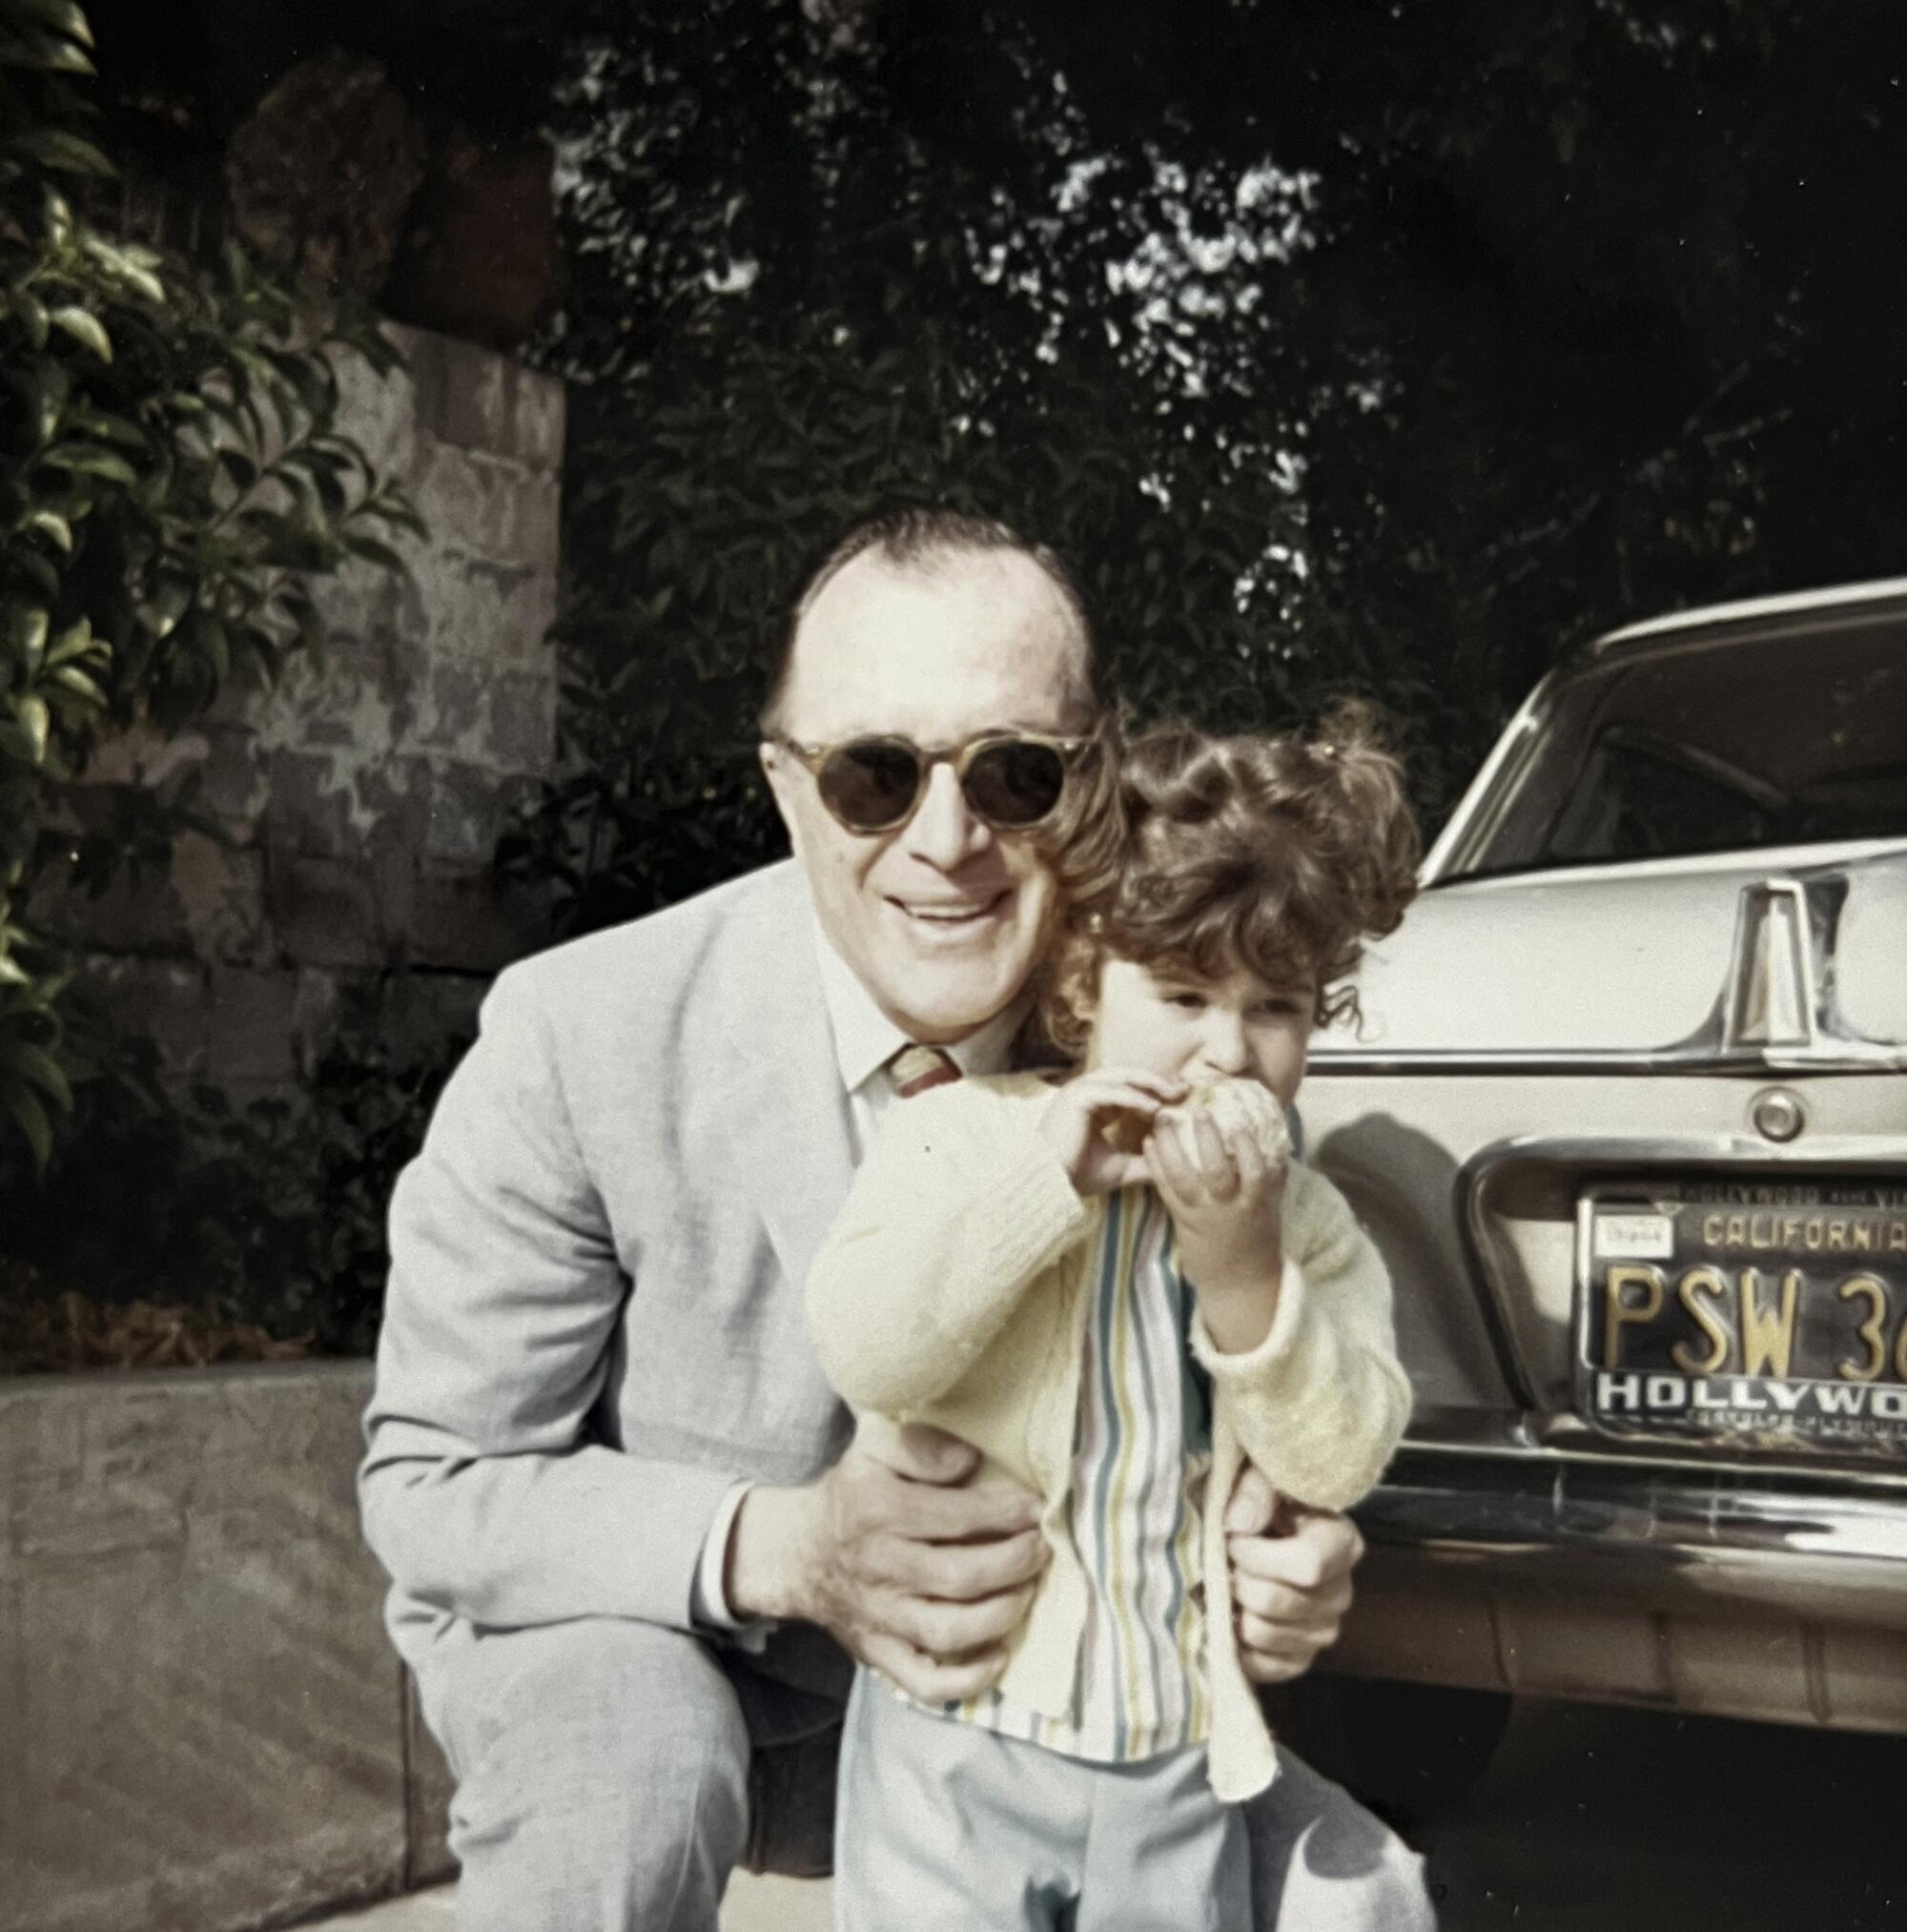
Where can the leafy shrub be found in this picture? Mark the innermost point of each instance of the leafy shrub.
(805, 293)
(699, 498)
(172, 480)
(273, 1215)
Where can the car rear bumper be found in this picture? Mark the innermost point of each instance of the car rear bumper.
(1720, 1589)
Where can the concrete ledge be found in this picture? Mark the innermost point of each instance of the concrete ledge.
(202, 1725)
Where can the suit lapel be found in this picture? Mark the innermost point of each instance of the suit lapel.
(790, 1132)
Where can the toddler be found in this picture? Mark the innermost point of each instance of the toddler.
(1119, 1287)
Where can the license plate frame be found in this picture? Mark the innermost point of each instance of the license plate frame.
(1778, 1383)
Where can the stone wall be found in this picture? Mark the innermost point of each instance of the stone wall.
(203, 1727)
(355, 808)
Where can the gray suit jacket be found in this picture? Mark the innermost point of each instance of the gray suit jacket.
(595, 1319)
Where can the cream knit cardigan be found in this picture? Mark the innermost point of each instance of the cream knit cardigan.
(951, 1291)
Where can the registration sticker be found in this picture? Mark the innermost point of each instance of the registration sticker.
(1635, 1237)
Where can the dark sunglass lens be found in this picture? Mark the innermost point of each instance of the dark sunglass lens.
(870, 783)
(1015, 782)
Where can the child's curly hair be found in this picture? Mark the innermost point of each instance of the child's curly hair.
(1279, 855)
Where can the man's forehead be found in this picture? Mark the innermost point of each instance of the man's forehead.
(988, 624)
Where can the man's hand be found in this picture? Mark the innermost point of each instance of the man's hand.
(1291, 1578)
(909, 1568)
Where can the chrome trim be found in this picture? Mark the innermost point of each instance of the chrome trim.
(1881, 600)
(1473, 1434)
(1513, 741)
(1884, 594)
(1777, 1010)
(1779, 1114)
(1756, 1063)
(1641, 1521)
(1831, 1153)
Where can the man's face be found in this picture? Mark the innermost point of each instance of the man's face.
(942, 918)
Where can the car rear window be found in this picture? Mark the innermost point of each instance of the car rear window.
(1724, 745)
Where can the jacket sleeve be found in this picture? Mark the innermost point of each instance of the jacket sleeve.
(1322, 1401)
(958, 1208)
(482, 1492)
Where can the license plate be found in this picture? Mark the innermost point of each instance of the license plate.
(1768, 1315)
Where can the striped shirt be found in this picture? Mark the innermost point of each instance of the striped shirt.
(1141, 1453)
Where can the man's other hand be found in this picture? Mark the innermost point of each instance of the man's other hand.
(1291, 1578)
(913, 1571)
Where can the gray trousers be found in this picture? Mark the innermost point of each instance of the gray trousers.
(943, 1826)
(610, 1776)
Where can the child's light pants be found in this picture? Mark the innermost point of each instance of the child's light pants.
(942, 1826)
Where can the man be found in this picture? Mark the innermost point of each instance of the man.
(621, 1506)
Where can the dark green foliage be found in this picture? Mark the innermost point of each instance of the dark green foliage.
(172, 480)
(1483, 328)
(277, 1212)
(696, 507)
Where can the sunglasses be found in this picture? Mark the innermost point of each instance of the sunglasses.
(1013, 780)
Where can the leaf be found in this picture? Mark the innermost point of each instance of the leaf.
(239, 467)
(30, 1117)
(26, 633)
(255, 656)
(99, 422)
(63, 16)
(47, 393)
(212, 643)
(33, 719)
(77, 640)
(374, 551)
(312, 634)
(169, 603)
(44, 54)
(31, 563)
(53, 524)
(307, 378)
(238, 416)
(35, 1064)
(76, 680)
(394, 510)
(64, 152)
(251, 364)
(84, 328)
(88, 460)
(32, 315)
(121, 264)
(56, 212)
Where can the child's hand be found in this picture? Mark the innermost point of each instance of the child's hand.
(1076, 1119)
(1226, 1201)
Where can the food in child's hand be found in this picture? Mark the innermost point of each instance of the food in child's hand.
(1230, 1103)
(1237, 1106)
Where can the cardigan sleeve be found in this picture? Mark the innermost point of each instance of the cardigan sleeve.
(1320, 1405)
(957, 1209)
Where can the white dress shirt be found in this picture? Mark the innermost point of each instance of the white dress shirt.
(864, 1041)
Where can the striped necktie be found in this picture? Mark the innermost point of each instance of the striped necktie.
(914, 1069)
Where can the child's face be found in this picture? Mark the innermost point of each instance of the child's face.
(1177, 1023)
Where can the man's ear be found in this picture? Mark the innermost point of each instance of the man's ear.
(775, 770)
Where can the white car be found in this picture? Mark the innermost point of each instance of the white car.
(1627, 1113)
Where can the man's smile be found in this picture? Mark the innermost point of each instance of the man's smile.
(953, 916)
